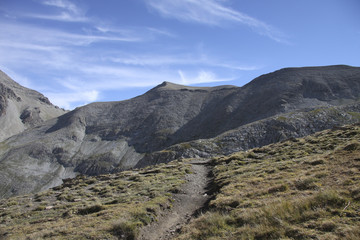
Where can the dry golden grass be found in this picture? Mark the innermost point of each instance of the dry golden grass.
(104, 207)
(299, 189)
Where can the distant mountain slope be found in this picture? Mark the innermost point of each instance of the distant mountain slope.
(282, 91)
(259, 133)
(22, 108)
(112, 136)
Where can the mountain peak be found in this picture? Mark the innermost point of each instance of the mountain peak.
(174, 86)
(170, 85)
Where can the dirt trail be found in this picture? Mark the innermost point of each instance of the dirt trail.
(191, 199)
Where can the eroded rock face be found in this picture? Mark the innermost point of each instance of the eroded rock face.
(22, 108)
(5, 94)
(172, 121)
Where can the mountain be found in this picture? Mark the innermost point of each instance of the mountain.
(22, 108)
(172, 121)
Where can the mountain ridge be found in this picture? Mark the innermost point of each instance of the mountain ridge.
(174, 86)
(172, 121)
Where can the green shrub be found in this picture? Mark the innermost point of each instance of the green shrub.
(91, 209)
(143, 216)
(321, 174)
(12, 203)
(126, 230)
(327, 226)
(278, 188)
(306, 184)
(316, 162)
(352, 147)
(327, 198)
(40, 208)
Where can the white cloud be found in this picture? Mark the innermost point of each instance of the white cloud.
(69, 12)
(151, 60)
(75, 68)
(51, 52)
(201, 77)
(212, 12)
(63, 4)
(24, 44)
(234, 66)
(64, 16)
(177, 59)
(104, 77)
(162, 32)
(19, 35)
(22, 80)
(71, 99)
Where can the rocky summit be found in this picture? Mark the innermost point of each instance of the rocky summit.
(172, 121)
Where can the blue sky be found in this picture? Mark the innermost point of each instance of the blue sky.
(79, 51)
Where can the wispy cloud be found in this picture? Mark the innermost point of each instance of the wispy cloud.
(212, 12)
(81, 76)
(22, 80)
(119, 77)
(162, 32)
(77, 65)
(201, 77)
(67, 11)
(53, 52)
(64, 4)
(64, 16)
(23, 35)
(177, 59)
(66, 100)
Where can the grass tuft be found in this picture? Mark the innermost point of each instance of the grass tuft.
(126, 230)
(91, 209)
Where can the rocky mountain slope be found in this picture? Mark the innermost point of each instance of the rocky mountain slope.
(172, 121)
(259, 133)
(22, 108)
(307, 188)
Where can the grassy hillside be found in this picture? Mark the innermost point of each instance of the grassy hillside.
(299, 189)
(305, 188)
(103, 207)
